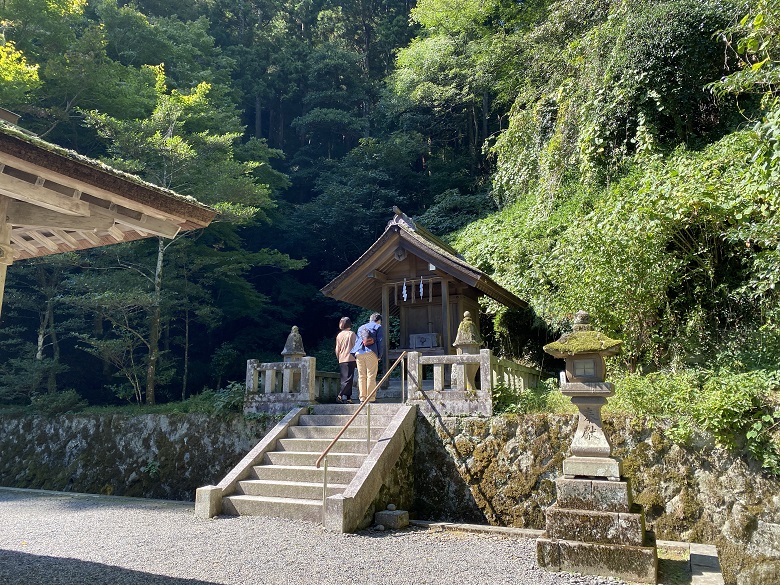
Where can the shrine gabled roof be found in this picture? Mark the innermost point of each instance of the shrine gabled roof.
(63, 201)
(357, 286)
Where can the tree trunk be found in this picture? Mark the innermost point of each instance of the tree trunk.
(280, 144)
(44, 325)
(258, 118)
(186, 354)
(485, 113)
(271, 127)
(154, 325)
(55, 345)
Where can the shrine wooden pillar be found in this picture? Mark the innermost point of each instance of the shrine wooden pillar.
(446, 342)
(6, 252)
(386, 326)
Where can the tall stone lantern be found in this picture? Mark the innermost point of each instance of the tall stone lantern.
(584, 351)
(468, 341)
(594, 527)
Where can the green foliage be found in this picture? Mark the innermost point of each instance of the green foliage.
(17, 77)
(152, 468)
(452, 210)
(326, 357)
(682, 246)
(544, 397)
(178, 147)
(754, 44)
(737, 408)
(23, 376)
(230, 398)
(54, 403)
(607, 82)
(223, 401)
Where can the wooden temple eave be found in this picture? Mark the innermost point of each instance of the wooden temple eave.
(73, 171)
(48, 212)
(53, 200)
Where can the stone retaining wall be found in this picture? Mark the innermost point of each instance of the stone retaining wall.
(497, 470)
(501, 470)
(152, 456)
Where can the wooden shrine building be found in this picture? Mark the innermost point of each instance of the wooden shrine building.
(411, 274)
(54, 200)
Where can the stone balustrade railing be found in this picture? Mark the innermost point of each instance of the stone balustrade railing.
(327, 386)
(416, 361)
(276, 387)
(279, 386)
(511, 375)
(462, 384)
(463, 395)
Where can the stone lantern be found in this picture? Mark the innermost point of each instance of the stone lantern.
(593, 527)
(468, 341)
(584, 351)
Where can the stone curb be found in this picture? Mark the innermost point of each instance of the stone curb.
(703, 564)
(497, 530)
(127, 499)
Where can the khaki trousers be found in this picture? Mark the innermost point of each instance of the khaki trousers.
(367, 367)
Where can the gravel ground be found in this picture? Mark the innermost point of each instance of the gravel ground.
(55, 538)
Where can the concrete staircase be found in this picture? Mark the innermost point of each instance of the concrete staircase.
(282, 480)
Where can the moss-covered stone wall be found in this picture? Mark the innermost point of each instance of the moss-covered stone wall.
(152, 456)
(498, 470)
(502, 470)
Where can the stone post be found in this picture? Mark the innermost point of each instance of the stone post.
(414, 373)
(485, 377)
(467, 341)
(308, 374)
(293, 352)
(252, 377)
(593, 527)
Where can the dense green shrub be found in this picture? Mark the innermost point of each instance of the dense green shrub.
(739, 409)
(222, 401)
(544, 397)
(53, 403)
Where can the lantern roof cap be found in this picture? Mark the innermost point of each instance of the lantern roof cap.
(583, 340)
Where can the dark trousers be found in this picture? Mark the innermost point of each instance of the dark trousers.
(347, 377)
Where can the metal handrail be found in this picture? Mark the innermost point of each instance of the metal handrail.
(349, 422)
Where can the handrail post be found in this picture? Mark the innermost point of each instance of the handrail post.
(403, 382)
(368, 429)
(324, 482)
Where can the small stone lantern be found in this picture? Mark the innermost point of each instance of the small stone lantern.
(293, 347)
(584, 351)
(468, 341)
(293, 352)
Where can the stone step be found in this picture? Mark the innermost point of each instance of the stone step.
(339, 420)
(376, 408)
(329, 432)
(298, 458)
(318, 445)
(288, 489)
(293, 508)
(304, 473)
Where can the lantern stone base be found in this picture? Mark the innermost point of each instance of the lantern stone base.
(596, 529)
(630, 563)
(598, 467)
(594, 494)
(602, 527)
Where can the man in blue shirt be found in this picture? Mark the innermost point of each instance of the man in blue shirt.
(367, 349)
